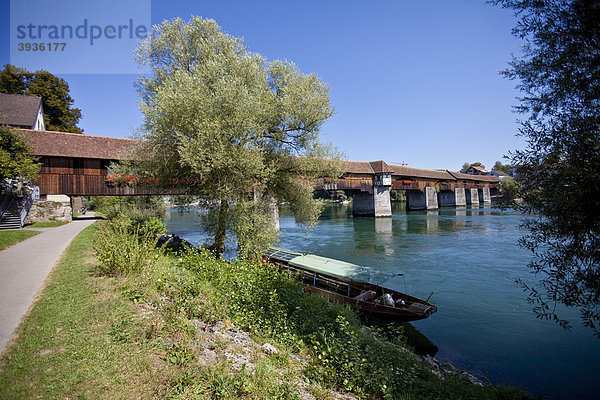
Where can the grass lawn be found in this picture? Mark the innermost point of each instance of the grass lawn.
(78, 341)
(10, 237)
(47, 224)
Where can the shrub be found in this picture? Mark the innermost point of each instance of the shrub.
(153, 227)
(121, 252)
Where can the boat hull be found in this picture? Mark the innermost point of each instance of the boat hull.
(366, 297)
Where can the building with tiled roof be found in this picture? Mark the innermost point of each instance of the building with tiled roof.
(476, 170)
(22, 111)
(76, 164)
(499, 174)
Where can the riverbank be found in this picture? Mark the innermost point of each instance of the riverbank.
(191, 325)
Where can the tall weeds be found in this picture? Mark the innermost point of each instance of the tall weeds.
(122, 252)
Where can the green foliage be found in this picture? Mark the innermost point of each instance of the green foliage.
(47, 224)
(15, 161)
(136, 208)
(254, 226)
(338, 195)
(253, 292)
(498, 166)
(13, 80)
(559, 170)
(59, 114)
(81, 315)
(224, 123)
(398, 195)
(183, 201)
(334, 195)
(510, 190)
(358, 362)
(153, 227)
(121, 251)
(263, 300)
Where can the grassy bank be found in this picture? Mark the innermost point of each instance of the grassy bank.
(11, 237)
(134, 323)
(46, 224)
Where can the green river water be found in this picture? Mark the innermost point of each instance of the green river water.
(469, 259)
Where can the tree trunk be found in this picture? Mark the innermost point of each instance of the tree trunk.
(219, 243)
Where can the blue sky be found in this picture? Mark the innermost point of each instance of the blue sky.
(414, 82)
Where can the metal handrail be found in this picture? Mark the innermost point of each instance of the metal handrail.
(33, 196)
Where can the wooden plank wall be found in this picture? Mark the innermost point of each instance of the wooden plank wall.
(77, 166)
(85, 177)
(92, 185)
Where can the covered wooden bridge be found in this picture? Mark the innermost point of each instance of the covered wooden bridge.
(78, 165)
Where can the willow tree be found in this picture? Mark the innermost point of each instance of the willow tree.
(559, 170)
(232, 127)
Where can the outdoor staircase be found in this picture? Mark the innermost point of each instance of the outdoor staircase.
(14, 208)
(11, 220)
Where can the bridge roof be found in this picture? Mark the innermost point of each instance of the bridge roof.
(359, 167)
(380, 167)
(63, 144)
(373, 167)
(401, 170)
(479, 178)
(367, 167)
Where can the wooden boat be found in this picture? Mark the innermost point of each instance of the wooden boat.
(347, 283)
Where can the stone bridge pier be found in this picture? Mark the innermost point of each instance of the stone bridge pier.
(472, 196)
(484, 196)
(267, 205)
(454, 198)
(426, 200)
(375, 204)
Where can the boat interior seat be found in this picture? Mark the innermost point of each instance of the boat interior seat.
(365, 296)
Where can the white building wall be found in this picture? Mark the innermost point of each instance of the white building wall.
(39, 124)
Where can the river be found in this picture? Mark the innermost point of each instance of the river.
(469, 259)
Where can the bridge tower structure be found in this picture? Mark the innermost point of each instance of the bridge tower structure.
(374, 200)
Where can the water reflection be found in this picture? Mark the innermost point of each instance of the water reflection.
(484, 209)
(383, 225)
(330, 211)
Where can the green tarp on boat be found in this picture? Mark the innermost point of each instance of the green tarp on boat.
(323, 265)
